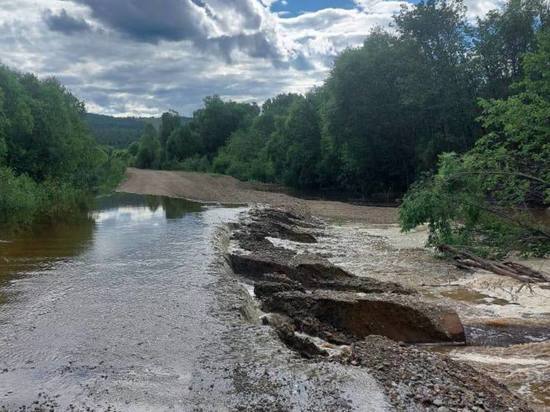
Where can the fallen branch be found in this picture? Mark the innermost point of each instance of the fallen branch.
(466, 260)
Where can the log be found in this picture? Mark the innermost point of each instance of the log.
(527, 271)
(515, 270)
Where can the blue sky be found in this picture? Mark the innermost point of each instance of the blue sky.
(132, 57)
(295, 7)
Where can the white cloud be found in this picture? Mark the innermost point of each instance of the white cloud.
(154, 59)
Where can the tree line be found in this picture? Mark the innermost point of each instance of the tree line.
(435, 93)
(483, 200)
(119, 132)
(49, 163)
(383, 116)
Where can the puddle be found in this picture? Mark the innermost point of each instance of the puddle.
(473, 296)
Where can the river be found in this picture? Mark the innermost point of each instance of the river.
(134, 309)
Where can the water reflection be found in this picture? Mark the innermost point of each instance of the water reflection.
(125, 202)
(45, 244)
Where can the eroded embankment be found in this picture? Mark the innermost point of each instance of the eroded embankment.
(328, 314)
(507, 323)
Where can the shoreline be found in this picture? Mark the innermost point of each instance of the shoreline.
(221, 189)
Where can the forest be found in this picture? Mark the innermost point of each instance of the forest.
(120, 132)
(50, 165)
(461, 108)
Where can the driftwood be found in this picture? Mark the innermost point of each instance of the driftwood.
(466, 260)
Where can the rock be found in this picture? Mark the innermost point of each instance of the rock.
(352, 317)
(308, 270)
(286, 331)
(263, 289)
(459, 384)
(256, 265)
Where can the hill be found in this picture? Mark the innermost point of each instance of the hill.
(120, 132)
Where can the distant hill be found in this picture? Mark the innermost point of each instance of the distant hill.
(120, 132)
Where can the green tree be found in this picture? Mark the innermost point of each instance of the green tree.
(246, 155)
(439, 85)
(368, 133)
(170, 121)
(133, 149)
(148, 156)
(218, 120)
(49, 164)
(501, 38)
(301, 135)
(479, 200)
(182, 144)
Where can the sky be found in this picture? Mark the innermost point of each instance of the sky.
(143, 57)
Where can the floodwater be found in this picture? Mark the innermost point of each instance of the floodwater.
(134, 309)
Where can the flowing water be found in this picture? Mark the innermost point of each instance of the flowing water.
(134, 309)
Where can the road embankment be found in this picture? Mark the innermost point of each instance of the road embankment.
(211, 188)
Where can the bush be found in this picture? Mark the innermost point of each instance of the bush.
(460, 210)
(194, 164)
(20, 199)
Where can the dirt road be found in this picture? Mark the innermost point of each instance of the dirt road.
(228, 190)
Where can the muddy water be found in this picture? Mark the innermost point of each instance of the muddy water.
(134, 309)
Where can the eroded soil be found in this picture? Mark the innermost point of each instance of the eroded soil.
(326, 313)
(507, 324)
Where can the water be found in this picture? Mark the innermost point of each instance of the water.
(134, 309)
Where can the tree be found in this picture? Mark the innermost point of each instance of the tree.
(148, 156)
(182, 143)
(301, 135)
(517, 144)
(133, 149)
(170, 121)
(501, 39)
(49, 164)
(367, 130)
(218, 120)
(479, 200)
(440, 84)
(246, 155)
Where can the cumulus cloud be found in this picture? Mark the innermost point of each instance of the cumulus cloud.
(142, 57)
(151, 21)
(225, 27)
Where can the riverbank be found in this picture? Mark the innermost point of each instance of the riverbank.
(210, 188)
(507, 323)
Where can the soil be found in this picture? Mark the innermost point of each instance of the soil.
(211, 188)
(325, 313)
